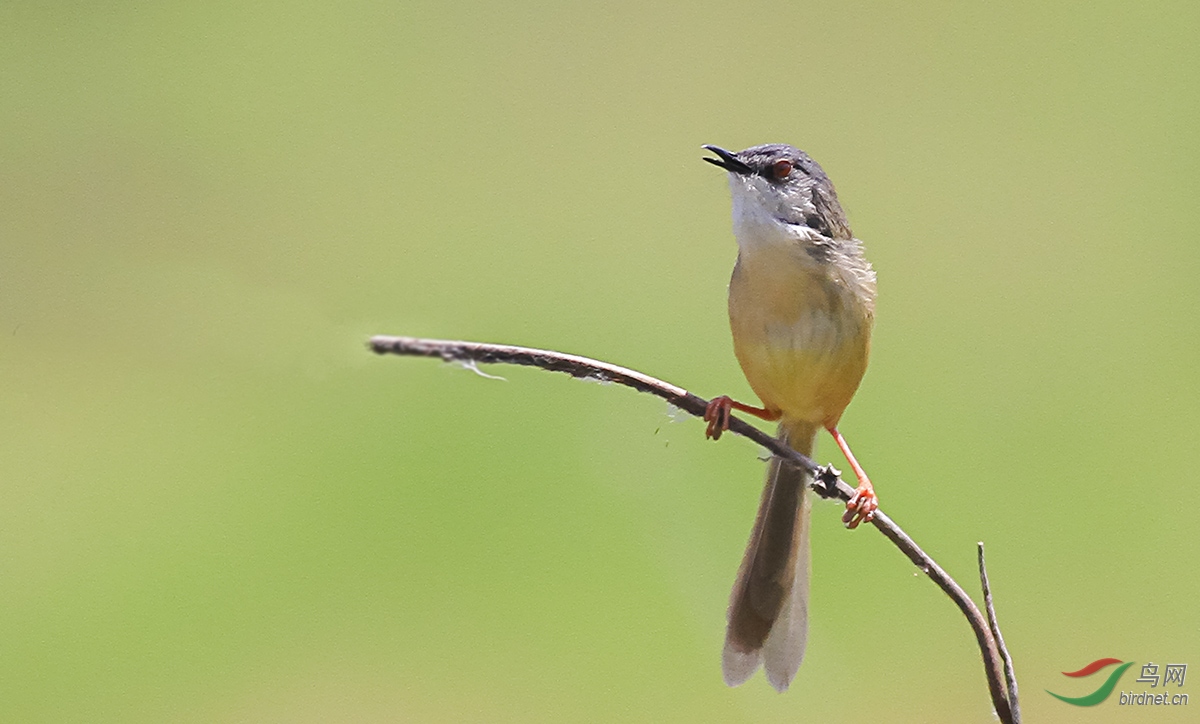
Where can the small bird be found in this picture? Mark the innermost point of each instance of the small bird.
(801, 308)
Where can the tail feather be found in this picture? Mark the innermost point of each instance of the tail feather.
(768, 609)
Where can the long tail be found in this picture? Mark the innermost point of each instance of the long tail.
(768, 609)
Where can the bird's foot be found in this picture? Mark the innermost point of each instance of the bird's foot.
(717, 416)
(861, 508)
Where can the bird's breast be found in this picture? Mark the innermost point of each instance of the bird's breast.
(801, 331)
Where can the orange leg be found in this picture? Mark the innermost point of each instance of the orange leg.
(717, 414)
(862, 506)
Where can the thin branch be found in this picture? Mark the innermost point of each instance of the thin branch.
(1010, 676)
(829, 484)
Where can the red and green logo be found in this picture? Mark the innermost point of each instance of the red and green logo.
(1105, 689)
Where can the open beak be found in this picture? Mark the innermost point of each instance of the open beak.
(727, 161)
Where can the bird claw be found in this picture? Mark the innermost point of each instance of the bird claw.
(861, 508)
(717, 416)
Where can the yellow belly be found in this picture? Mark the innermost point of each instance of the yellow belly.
(800, 332)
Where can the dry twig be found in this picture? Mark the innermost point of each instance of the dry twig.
(1010, 676)
(997, 664)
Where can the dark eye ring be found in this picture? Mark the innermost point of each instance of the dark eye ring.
(781, 169)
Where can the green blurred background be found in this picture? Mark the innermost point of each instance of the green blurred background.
(219, 507)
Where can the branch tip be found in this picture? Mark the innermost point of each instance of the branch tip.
(1010, 676)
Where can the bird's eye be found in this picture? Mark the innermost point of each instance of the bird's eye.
(781, 169)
